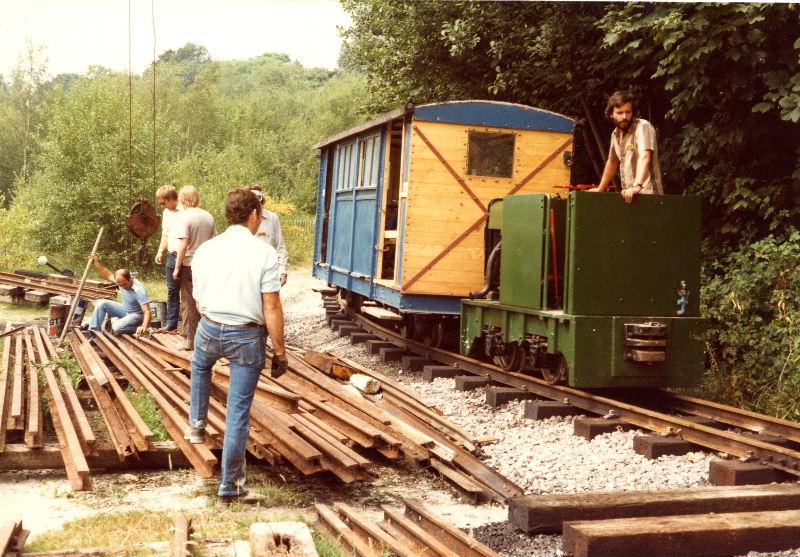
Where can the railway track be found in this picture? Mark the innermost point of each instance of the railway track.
(655, 411)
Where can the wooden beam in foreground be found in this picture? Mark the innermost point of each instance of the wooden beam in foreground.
(710, 535)
(545, 513)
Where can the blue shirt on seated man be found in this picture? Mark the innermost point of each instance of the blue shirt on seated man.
(133, 314)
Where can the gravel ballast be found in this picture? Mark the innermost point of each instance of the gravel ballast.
(540, 456)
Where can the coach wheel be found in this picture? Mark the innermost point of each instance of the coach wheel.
(408, 328)
(556, 372)
(432, 333)
(350, 301)
(512, 358)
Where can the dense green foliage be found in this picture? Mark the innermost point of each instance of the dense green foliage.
(721, 83)
(218, 124)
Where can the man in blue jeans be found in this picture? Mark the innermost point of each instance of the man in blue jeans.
(237, 289)
(133, 314)
(167, 197)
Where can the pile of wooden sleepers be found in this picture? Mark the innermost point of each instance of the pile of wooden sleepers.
(32, 375)
(308, 418)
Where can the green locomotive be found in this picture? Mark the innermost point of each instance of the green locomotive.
(591, 291)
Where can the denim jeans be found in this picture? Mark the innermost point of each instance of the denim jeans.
(173, 295)
(126, 324)
(244, 348)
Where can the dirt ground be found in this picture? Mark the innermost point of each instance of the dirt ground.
(44, 502)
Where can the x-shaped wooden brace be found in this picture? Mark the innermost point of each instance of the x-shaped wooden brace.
(474, 197)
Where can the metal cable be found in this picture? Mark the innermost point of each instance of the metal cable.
(153, 19)
(130, 129)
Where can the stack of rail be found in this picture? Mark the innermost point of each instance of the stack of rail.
(417, 531)
(307, 418)
(32, 375)
(14, 285)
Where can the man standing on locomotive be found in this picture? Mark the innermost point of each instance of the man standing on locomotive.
(633, 150)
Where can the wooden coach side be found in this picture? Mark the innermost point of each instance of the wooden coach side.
(443, 247)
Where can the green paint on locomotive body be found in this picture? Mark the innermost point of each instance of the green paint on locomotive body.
(577, 270)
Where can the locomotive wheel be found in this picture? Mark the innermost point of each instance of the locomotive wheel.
(512, 359)
(556, 372)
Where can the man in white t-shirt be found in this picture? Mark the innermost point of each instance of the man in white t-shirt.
(167, 197)
(237, 287)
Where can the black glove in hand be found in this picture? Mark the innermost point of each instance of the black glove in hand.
(279, 364)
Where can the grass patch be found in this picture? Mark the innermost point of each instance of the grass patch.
(21, 312)
(146, 406)
(125, 529)
(325, 547)
(107, 530)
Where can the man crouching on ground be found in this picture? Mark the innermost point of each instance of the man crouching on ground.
(236, 285)
(133, 314)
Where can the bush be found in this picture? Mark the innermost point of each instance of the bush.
(754, 328)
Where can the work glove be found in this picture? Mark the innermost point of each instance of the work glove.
(279, 364)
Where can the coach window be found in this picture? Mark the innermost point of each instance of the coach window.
(346, 173)
(370, 162)
(490, 154)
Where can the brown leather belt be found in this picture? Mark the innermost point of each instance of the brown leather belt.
(245, 325)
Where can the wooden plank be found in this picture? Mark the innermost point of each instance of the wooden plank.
(696, 535)
(199, 455)
(84, 428)
(96, 368)
(77, 470)
(538, 514)
(164, 455)
(138, 430)
(117, 430)
(455, 539)
(328, 365)
(6, 379)
(34, 425)
(266, 393)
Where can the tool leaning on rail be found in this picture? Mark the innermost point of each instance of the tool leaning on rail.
(735, 444)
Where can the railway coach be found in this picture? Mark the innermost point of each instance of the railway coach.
(403, 202)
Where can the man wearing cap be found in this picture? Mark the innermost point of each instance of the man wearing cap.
(133, 314)
(237, 288)
(633, 150)
(270, 231)
(167, 197)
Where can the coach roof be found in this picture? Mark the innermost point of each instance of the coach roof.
(491, 114)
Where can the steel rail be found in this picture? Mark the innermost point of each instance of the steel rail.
(34, 283)
(723, 441)
(738, 417)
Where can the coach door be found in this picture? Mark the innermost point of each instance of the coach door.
(358, 174)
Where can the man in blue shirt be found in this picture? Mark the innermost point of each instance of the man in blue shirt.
(133, 314)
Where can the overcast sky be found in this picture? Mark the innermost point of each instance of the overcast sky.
(80, 33)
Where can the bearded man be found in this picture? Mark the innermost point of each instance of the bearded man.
(633, 151)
